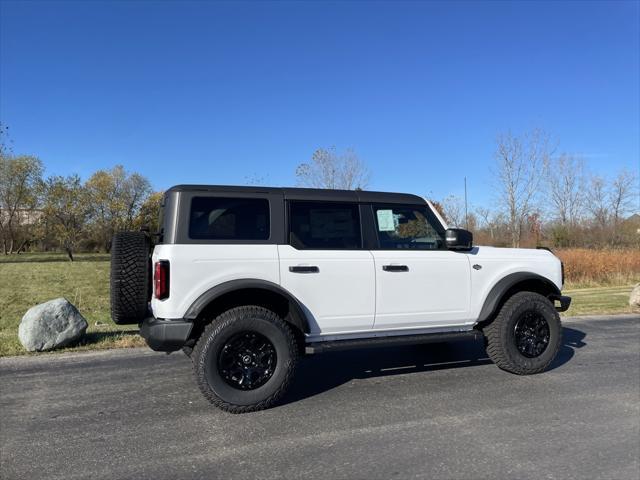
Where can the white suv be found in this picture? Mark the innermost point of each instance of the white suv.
(247, 279)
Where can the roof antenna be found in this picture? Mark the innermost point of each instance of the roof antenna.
(466, 212)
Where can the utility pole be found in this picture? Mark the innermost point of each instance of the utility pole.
(466, 212)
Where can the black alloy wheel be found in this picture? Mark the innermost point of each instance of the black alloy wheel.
(247, 360)
(532, 334)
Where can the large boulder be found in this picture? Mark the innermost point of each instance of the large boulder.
(634, 298)
(50, 325)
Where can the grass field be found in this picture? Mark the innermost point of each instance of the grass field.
(26, 280)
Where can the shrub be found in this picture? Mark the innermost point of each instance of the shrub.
(587, 267)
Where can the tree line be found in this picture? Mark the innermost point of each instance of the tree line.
(65, 213)
(541, 197)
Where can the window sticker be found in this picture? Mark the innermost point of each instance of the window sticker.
(386, 221)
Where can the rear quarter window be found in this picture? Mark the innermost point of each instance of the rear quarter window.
(218, 218)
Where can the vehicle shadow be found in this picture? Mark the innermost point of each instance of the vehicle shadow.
(319, 373)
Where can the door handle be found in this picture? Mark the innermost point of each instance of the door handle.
(304, 269)
(395, 268)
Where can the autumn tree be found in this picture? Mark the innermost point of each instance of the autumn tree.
(329, 169)
(116, 197)
(65, 210)
(20, 177)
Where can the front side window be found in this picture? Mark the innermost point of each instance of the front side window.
(216, 218)
(407, 227)
(324, 226)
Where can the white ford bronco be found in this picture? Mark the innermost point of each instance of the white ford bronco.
(245, 280)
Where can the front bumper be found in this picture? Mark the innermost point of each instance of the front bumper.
(565, 302)
(165, 335)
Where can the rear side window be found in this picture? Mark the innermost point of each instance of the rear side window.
(324, 226)
(216, 218)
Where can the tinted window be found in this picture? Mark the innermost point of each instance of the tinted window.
(214, 218)
(410, 227)
(321, 225)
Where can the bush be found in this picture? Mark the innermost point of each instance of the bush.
(587, 267)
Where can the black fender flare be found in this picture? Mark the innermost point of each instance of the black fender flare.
(296, 310)
(500, 289)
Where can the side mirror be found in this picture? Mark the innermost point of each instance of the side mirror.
(458, 239)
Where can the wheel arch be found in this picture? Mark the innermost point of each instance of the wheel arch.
(513, 283)
(249, 292)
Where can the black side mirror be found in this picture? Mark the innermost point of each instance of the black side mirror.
(458, 239)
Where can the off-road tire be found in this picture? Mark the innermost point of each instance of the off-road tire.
(130, 277)
(500, 334)
(208, 347)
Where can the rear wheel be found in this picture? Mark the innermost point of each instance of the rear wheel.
(245, 359)
(526, 335)
(130, 277)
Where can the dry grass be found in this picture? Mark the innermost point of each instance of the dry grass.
(592, 268)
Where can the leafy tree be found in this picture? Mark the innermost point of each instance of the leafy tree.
(116, 197)
(149, 214)
(20, 178)
(65, 210)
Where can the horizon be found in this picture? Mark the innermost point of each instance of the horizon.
(255, 88)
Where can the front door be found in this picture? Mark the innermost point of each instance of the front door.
(418, 282)
(326, 268)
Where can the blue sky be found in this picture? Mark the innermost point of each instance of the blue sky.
(200, 92)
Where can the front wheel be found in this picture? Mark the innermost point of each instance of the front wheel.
(245, 359)
(526, 335)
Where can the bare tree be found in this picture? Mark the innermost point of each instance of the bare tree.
(622, 194)
(453, 208)
(597, 203)
(328, 169)
(566, 189)
(522, 163)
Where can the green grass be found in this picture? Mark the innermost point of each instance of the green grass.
(599, 300)
(26, 280)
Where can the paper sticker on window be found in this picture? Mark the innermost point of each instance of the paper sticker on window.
(386, 222)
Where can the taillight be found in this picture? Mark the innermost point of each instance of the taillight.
(161, 279)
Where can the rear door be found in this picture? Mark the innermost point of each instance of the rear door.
(326, 268)
(418, 282)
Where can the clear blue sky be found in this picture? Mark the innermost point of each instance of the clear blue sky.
(188, 92)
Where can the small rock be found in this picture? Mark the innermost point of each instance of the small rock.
(634, 298)
(50, 325)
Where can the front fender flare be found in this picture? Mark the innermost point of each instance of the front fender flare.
(500, 289)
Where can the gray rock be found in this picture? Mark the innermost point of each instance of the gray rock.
(634, 298)
(50, 325)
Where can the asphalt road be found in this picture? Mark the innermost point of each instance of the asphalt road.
(430, 411)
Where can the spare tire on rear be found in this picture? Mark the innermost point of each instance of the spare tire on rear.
(130, 277)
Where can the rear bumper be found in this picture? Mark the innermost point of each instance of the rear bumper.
(165, 335)
(565, 302)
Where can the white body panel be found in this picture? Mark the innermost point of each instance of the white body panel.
(197, 268)
(497, 263)
(341, 296)
(351, 296)
(434, 292)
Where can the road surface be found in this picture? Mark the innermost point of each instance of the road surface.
(430, 411)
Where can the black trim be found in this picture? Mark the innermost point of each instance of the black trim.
(304, 269)
(565, 302)
(165, 335)
(296, 310)
(391, 341)
(498, 291)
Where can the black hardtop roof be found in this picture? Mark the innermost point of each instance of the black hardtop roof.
(315, 194)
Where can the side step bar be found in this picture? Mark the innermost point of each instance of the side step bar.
(391, 341)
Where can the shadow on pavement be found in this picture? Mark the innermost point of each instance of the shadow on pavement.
(319, 373)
